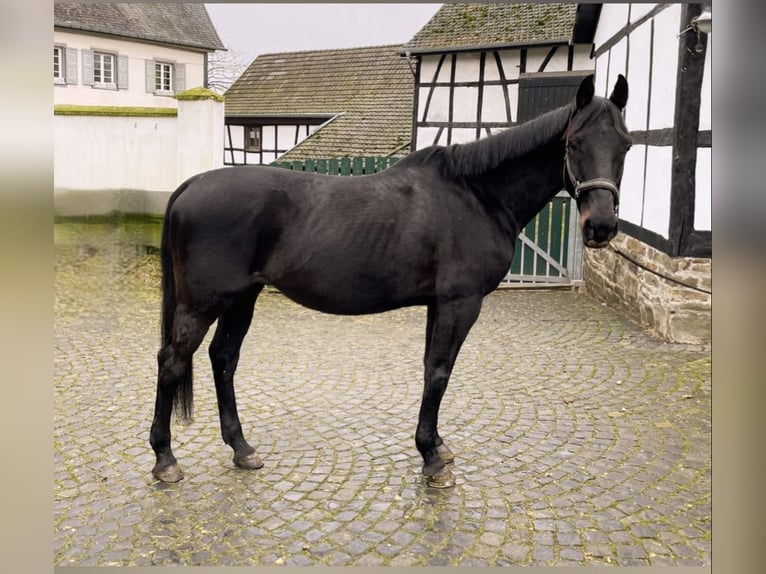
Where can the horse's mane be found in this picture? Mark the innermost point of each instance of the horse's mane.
(474, 158)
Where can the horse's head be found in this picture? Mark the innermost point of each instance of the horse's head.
(596, 143)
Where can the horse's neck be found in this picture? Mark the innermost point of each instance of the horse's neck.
(526, 187)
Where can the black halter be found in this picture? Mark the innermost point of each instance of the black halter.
(579, 186)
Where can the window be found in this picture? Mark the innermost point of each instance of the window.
(252, 138)
(103, 70)
(58, 65)
(163, 78)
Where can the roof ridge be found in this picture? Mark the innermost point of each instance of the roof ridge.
(394, 47)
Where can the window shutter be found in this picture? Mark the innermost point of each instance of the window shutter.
(151, 86)
(71, 65)
(87, 67)
(122, 72)
(179, 80)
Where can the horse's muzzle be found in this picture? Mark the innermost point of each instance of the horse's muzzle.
(597, 232)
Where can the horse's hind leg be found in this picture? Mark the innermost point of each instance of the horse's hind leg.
(174, 376)
(224, 356)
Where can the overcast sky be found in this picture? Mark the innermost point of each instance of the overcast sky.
(253, 29)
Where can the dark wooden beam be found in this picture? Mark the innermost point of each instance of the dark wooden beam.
(691, 69)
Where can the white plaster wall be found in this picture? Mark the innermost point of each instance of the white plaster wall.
(612, 19)
(665, 68)
(114, 153)
(493, 106)
(639, 10)
(703, 191)
(617, 66)
(632, 186)
(638, 78)
(558, 63)
(510, 60)
(238, 135)
(438, 107)
(601, 67)
(656, 215)
(465, 104)
(467, 67)
(463, 135)
(286, 137)
(138, 53)
(428, 65)
(707, 90)
(199, 136)
(581, 59)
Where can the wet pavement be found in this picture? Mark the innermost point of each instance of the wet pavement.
(579, 440)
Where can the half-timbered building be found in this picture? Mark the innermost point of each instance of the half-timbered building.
(320, 104)
(481, 68)
(659, 269)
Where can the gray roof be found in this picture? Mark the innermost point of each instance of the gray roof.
(186, 25)
(464, 26)
(370, 90)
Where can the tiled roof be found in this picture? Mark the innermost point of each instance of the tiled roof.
(461, 26)
(185, 25)
(370, 90)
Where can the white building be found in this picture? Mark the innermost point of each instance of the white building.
(117, 72)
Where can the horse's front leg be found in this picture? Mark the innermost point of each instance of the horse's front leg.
(224, 356)
(447, 327)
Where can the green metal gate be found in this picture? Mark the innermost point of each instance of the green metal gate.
(548, 251)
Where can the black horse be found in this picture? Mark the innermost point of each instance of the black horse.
(436, 229)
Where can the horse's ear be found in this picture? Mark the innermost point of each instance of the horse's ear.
(584, 92)
(619, 95)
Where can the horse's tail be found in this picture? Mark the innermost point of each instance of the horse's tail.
(183, 397)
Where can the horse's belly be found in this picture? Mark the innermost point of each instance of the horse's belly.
(336, 289)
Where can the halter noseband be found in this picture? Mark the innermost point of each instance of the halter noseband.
(580, 186)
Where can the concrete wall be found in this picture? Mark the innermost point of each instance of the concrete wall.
(131, 164)
(671, 311)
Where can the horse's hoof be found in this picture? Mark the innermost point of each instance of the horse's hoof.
(442, 479)
(172, 473)
(249, 462)
(445, 453)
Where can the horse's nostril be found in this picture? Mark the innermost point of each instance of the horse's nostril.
(587, 229)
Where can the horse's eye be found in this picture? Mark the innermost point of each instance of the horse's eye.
(574, 144)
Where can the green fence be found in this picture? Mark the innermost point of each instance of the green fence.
(341, 165)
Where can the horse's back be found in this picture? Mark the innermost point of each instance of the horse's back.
(338, 244)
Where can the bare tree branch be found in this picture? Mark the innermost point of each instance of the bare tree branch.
(224, 67)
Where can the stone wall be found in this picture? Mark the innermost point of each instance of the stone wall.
(671, 311)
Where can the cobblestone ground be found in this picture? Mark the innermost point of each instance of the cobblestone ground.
(578, 439)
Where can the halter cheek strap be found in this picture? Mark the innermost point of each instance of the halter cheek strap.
(580, 186)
